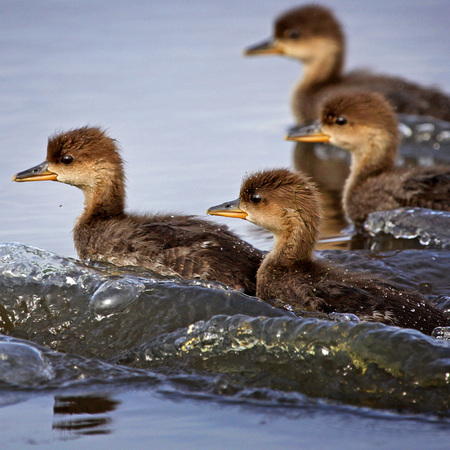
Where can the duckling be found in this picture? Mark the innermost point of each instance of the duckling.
(173, 245)
(364, 124)
(287, 204)
(313, 35)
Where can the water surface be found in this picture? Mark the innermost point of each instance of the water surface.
(104, 357)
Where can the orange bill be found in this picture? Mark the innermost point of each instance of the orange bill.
(228, 209)
(36, 173)
(268, 47)
(309, 133)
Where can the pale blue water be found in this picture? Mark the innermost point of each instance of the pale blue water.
(192, 115)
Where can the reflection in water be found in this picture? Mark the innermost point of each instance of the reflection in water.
(328, 167)
(333, 233)
(83, 414)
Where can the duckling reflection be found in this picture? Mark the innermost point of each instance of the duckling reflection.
(328, 168)
(83, 414)
(287, 204)
(171, 245)
(314, 36)
(364, 124)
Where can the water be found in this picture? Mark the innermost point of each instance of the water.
(105, 357)
(429, 228)
(96, 358)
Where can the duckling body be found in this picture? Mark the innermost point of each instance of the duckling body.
(418, 187)
(313, 35)
(364, 124)
(287, 204)
(175, 245)
(170, 245)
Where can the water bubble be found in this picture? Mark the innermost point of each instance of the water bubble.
(424, 132)
(405, 130)
(426, 161)
(343, 317)
(23, 365)
(443, 137)
(441, 333)
(424, 238)
(115, 295)
(443, 303)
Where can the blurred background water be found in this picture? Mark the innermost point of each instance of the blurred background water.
(167, 79)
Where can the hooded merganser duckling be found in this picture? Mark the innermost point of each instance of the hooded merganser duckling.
(171, 245)
(313, 35)
(287, 204)
(364, 124)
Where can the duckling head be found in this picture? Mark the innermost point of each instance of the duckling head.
(362, 123)
(278, 200)
(305, 33)
(85, 157)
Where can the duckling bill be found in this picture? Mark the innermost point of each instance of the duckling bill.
(36, 173)
(313, 35)
(288, 205)
(364, 124)
(173, 245)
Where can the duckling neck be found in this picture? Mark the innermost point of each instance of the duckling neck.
(294, 245)
(105, 200)
(376, 157)
(324, 68)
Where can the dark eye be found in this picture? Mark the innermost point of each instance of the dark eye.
(67, 159)
(255, 198)
(341, 120)
(293, 34)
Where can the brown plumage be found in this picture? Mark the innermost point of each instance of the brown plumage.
(287, 204)
(313, 35)
(176, 245)
(364, 124)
